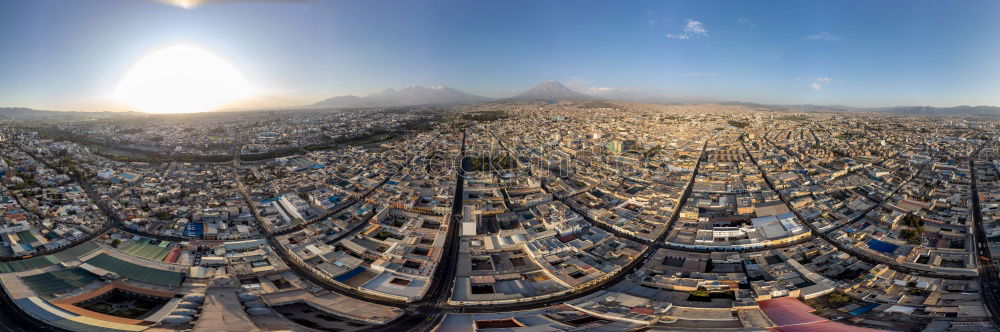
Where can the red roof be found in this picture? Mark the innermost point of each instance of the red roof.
(644, 311)
(173, 255)
(791, 315)
(567, 238)
(788, 311)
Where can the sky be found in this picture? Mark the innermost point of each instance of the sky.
(69, 55)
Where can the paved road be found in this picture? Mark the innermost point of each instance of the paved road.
(320, 280)
(850, 249)
(989, 281)
(613, 280)
(11, 317)
(427, 312)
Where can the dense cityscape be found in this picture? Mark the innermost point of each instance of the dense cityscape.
(555, 216)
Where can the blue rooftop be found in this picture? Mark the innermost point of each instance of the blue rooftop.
(863, 310)
(882, 246)
(194, 229)
(349, 274)
(336, 198)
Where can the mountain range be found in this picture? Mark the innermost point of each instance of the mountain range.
(411, 95)
(552, 91)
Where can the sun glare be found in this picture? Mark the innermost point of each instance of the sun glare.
(181, 79)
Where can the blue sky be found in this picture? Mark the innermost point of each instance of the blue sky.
(70, 54)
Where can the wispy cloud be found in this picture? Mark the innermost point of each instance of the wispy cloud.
(746, 21)
(692, 29)
(581, 85)
(698, 74)
(818, 83)
(824, 36)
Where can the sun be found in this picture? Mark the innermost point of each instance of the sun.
(181, 79)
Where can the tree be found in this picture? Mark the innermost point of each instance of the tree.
(839, 298)
(912, 236)
(913, 220)
(738, 124)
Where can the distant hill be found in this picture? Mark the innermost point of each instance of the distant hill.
(411, 95)
(963, 110)
(551, 91)
(24, 113)
(14, 112)
(929, 110)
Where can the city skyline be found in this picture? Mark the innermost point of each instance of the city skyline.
(294, 53)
